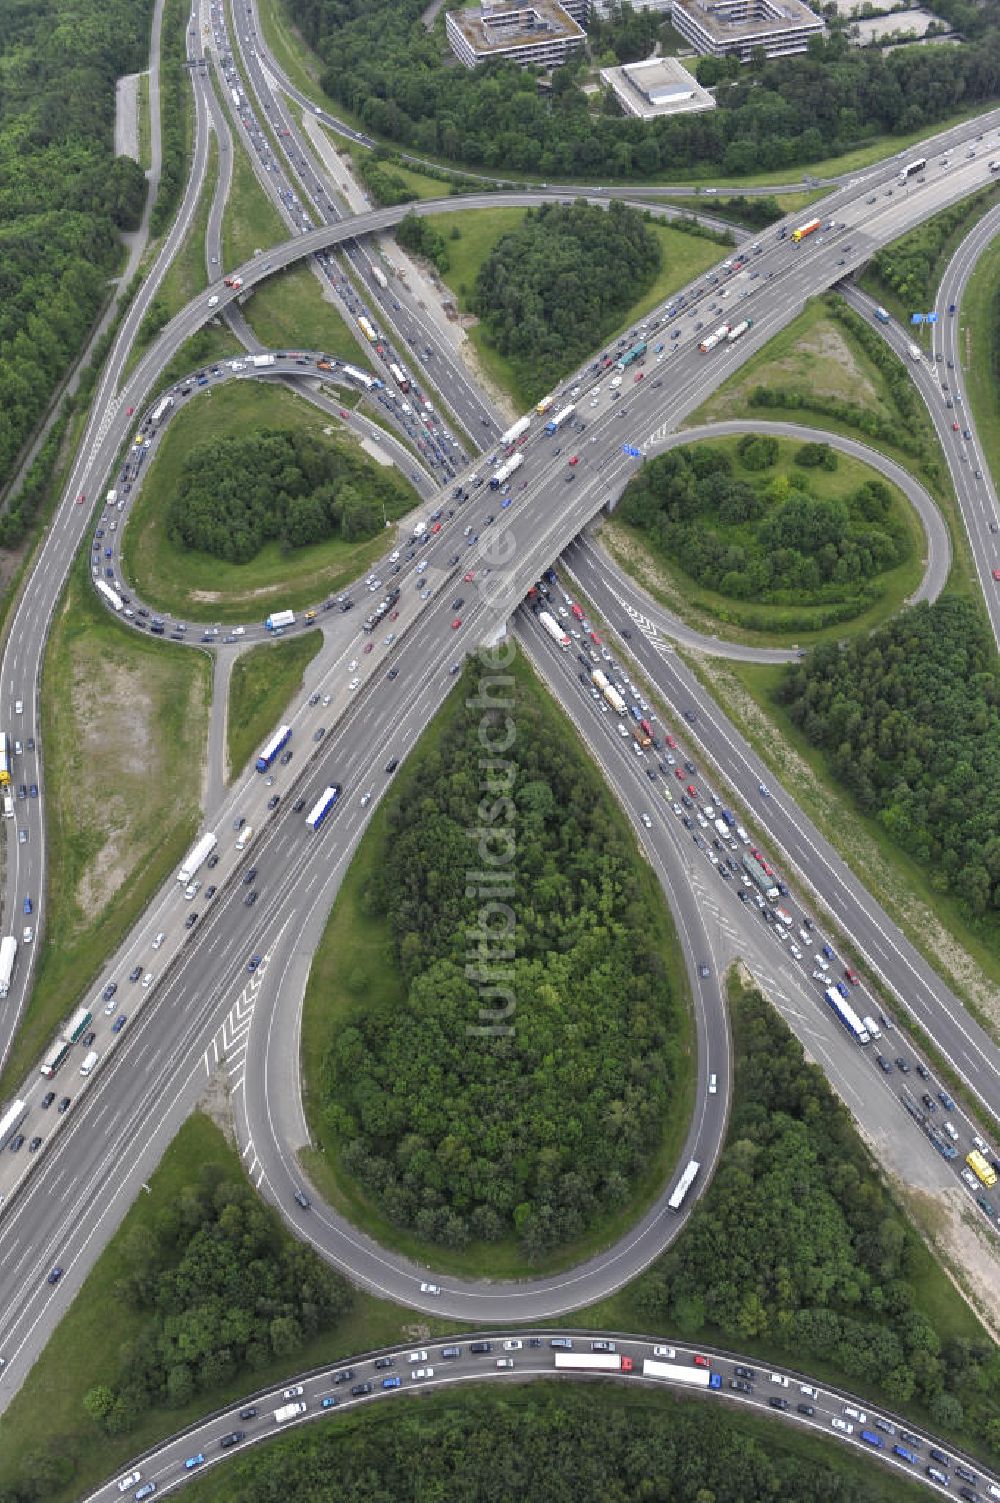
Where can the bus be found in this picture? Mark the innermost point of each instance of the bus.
(981, 1168)
(54, 1058)
(636, 353)
(322, 806)
(277, 743)
(911, 168)
(683, 1185)
(4, 758)
(77, 1025)
(160, 412)
(367, 330)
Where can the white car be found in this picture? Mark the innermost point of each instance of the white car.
(394, 557)
(110, 1007)
(713, 1084)
(513, 1344)
(147, 980)
(125, 1483)
(795, 952)
(422, 1372)
(354, 684)
(352, 666)
(430, 1289)
(665, 1351)
(157, 942)
(326, 699)
(778, 1378)
(809, 1391)
(505, 1362)
(420, 1356)
(839, 1424)
(28, 935)
(19, 707)
(646, 821)
(239, 631)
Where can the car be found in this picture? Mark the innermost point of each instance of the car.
(391, 765)
(147, 980)
(119, 1023)
(320, 730)
(22, 837)
(883, 1064)
(664, 1351)
(456, 623)
(48, 1099)
(700, 1361)
(575, 459)
(298, 806)
(946, 1101)
(157, 942)
(807, 1409)
(251, 897)
(739, 1386)
(295, 1392)
(422, 1372)
(191, 920)
(27, 905)
(703, 969)
(239, 822)
(64, 1104)
(55, 1275)
(232, 1439)
(33, 791)
(852, 976)
(109, 1008)
(213, 860)
(249, 876)
(88, 1039)
(125, 1483)
(273, 801)
(360, 1389)
(902, 1066)
(210, 891)
(430, 1288)
(194, 1461)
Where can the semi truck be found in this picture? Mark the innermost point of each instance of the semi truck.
(160, 411)
(739, 330)
(601, 681)
(279, 620)
(8, 954)
(370, 383)
(367, 330)
(846, 1014)
(759, 877)
(543, 406)
(809, 228)
(711, 340)
(693, 1377)
(197, 856)
(289, 1412)
(380, 277)
(514, 432)
(599, 1362)
(11, 1121)
(563, 415)
(4, 759)
(505, 471)
(400, 377)
(549, 623)
(111, 596)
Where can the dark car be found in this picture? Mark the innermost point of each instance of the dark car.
(286, 757)
(88, 1039)
(804, 1409)
(902, 1066)
(739, 1386)
(249, 875)
(232, 1439)
(382, 1362)
(239, 822)
(344, 1376)
(210, 891)
(273, 801)
(247, 1414)
(34, 1145)
(319, 733)
(213, 860)
(48, 1099)
(298, 806)
(110, 990)
(17, 1142)
(64, 1104)
(745, 1372)
(191, 920)
(55, 1275)
(778, 1403)
(360, 1389)
(251, 897)
(392, 765)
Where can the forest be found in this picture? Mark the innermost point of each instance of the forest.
(766, 539)
(400, 80)
(558, 285)
(567, 1444)
(239, 491)
(909, 720)
(540, 1128)
(797, 1248)
(63, 196)
(222, 1288)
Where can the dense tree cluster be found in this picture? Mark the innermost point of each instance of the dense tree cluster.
(222, 1288)
(554, 288)
(62, 194)
(419, 236)
(769, 540)
(401, 81)
(909, 718)
(383, 183)
(239, 491)
(541, 1127)
(796, 1246)
(564, 1443)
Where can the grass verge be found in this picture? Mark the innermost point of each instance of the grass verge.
(331, 998)
(250, 222)
(744, 621)
(263, 681)
(46, 1432)
(289, 311)
(187, 274)
(187, 583)
(119, 716)
(976, 333)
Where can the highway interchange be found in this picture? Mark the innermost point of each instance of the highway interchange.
(113, 1136)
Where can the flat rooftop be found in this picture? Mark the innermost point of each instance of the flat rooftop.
(659, 86)
(497, 28)
(719, 18)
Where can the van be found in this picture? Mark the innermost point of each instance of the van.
(873, 1030)
(949, 1129)
(8, 806)
(89, 1062)
(244, 838)
(742, 835)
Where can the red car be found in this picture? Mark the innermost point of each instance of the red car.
(472, 574)
(671, 742)
(130, 411)
(394, 616)
(577, 611)
(996, 573)
(954, 427)
(692, 790)
(456, 623)
(626, 1364)
(81, 498)
(700, 1361)
(436, 527)
(368, 646)
(343, 412)
(852, 976)
(639, 377)
(679, 774)
(595, 638)
(574, 460)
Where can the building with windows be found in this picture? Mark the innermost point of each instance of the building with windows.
(543, 32)
(658, 86)
(738, 28)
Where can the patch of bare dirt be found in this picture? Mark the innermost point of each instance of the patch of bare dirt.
(214, 1102)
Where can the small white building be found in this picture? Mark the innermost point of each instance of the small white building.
(659, 86)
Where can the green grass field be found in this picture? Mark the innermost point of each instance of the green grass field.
(371, 978)
(194, 584)
(289, 311)
(263, 682)
(119, 715)
(975, 322)
(684, 256)
(187, 274)
(250, 222)
(744, 621)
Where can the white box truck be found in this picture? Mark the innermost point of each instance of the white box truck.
(289, 1412)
